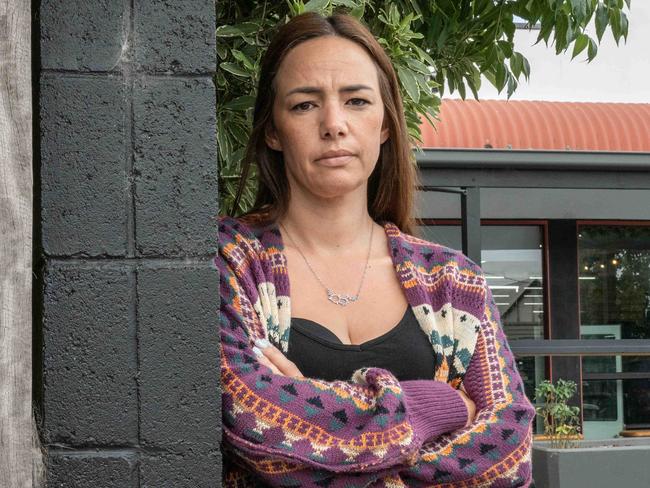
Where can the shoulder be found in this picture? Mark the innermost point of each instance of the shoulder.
(231, 228)
(427, 254)
(237, 232)
(440, 273)
(245, 246)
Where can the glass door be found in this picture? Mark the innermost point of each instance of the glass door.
(602, 400)
(614, 278)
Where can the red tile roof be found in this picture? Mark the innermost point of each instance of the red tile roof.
(540, 125)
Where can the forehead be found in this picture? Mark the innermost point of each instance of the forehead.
(326, 61)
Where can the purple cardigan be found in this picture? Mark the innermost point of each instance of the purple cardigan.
(371, 430)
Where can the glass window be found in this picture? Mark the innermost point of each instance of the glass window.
(512, 260)
(614, 280)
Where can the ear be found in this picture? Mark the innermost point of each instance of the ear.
(384, 135)
(271, 138)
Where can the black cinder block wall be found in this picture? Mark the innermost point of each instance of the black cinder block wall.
(127, 349)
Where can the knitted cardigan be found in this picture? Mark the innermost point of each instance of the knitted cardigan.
(370, 431)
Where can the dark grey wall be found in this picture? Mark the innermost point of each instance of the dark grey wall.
(128, 385)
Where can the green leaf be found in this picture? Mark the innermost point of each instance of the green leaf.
(546, 29)
(601, 21)
(506, 48)
(580, 45)
(223, 144)
(409, 83)
(624, 25)
(296, 7)
(222, 51)
(346, 3)
(239, 134)
(491, 57)
(393, 14)
(242, 58)
(579, 9)
(228, 31)
(472, 86)
(418, 66)
(509, 27)
(240, 103)
(358, 12)
(512, 85)
(234, 69)
(615, 24)
(500, 77)
(526, 67)
(316, 5)
(516, 64)
(592, 51)
(561, 27)
(461, 90)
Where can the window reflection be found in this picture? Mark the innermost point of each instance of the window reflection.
(614, 267)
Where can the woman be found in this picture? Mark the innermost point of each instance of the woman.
(320, 386)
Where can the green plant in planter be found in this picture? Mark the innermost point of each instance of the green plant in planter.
(560, 419)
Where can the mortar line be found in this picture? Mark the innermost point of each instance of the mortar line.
(138, 262)
(133, 309)
(103, 74)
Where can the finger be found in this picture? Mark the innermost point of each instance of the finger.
(286, 367)
(265, 361)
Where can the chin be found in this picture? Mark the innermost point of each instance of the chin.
(336, 190)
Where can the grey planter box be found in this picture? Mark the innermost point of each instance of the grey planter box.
(620, 463)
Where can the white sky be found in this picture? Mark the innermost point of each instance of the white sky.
(617, 74)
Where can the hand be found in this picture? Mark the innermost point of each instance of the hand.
(471, 407)
(271, 356)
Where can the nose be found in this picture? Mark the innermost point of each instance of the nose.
(333, 123)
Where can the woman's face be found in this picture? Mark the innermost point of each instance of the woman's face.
(328, 117)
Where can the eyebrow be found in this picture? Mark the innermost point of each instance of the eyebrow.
(313, 89)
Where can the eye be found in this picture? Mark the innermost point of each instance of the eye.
(358, 102)
(302, 107)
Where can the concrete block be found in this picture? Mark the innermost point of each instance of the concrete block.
(83, 36)
(175, 167)
(89, 357)
(83, 172)
(97, 470)
(181, 471)
(174, 36)
(180, 401)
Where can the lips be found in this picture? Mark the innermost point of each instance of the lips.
(340, 153)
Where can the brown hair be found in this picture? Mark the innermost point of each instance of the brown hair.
(391, 186)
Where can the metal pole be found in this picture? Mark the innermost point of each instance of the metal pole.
(470, 202)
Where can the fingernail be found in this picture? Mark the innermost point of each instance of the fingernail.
(262, 343)
(257, 351)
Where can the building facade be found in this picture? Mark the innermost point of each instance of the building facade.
(559, 180)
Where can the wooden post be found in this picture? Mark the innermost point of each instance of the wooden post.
(16, 443)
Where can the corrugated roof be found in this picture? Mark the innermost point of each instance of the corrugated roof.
(540, 125)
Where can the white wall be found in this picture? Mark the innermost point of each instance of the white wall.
(617, 74)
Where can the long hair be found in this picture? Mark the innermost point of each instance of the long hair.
(391, 186)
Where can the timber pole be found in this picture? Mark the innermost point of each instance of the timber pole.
(16, 448)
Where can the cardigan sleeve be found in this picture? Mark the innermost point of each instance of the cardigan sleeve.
(495, 450)
(306, 426)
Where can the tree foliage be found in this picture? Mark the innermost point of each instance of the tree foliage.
(435, 45)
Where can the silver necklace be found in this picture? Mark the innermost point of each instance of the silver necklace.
(337, 298)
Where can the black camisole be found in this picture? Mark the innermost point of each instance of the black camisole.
(404, 350)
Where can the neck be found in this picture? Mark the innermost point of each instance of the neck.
(335, 227)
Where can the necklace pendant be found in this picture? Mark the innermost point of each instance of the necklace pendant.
(342, 300)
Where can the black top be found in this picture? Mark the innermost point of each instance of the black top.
(404, 350)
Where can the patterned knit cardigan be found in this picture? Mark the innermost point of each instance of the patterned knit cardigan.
(373, 430)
